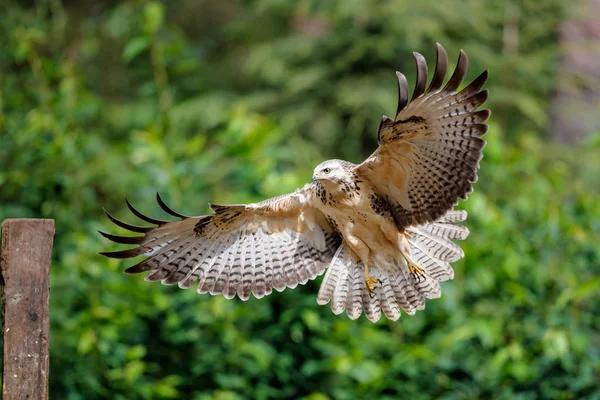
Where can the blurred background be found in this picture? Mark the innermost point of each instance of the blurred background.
(235, 101)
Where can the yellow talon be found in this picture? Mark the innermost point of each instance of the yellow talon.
(416, 271)
(370, 282)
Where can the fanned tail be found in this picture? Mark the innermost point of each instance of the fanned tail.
(431, 249)
(431, 246)
(345, 289)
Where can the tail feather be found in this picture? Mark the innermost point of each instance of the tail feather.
(340, 293)
(428, 286)
(372, 302)
(453, 216)
(331, 278)
(440, 270)
(389, 305)
(435, 247)
(354, 303)
(415, 299)
(446, 231)
(430, 248)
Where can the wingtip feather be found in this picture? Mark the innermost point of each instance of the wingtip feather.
(421, 81)
(168, 209)
(141, 216)
(129, 253)
(402, 92)
(124, 225)
(122, 239)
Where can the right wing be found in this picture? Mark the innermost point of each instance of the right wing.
(429, 154)
(240, 249)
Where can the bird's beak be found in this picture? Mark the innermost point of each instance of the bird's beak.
(314, 179)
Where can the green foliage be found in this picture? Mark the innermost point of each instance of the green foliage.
(235, 101)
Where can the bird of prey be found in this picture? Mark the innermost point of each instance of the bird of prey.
(382, 229)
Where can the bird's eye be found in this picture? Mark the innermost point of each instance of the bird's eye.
(327, 170)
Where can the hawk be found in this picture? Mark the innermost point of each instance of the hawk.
(382, 230)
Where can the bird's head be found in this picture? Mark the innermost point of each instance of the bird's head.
(332, 172)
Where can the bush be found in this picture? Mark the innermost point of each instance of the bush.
(236, 102)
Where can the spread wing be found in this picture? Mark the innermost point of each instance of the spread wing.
(240, 249)
(428, 155)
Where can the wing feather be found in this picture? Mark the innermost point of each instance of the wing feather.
(240, 249)
(429, 154)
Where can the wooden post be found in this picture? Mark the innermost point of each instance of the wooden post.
(25, 266)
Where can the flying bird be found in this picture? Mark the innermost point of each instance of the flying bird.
(382, 230)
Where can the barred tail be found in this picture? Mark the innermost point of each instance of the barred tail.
(431, 249)
(431, 246)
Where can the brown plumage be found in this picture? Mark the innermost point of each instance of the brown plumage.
(382, 229)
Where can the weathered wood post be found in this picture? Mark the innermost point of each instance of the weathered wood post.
(25, 268)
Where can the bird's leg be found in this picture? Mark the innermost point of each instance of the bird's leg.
(362, 252)
(370, 281)
(416, 271)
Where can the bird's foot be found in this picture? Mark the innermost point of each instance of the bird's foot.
(370, 282)
(416, 271)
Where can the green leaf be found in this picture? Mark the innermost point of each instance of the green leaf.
(153, 16)
(135, 47)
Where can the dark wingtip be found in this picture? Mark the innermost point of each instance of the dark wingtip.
(138, 268)
(421, 82)
(133, 228)
(142, 216)
(402, 92)
(130, 253)
(485, 115)
(168, 209)
(441, 65)
(459, 73)
(474, 86)
(484, 75)
(122, 239)
(480, 80)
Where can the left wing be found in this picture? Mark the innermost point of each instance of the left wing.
(429, 154)
(240, 249)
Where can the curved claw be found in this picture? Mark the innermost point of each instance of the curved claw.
(371, 282)
(142, 216)
(168, 209)
(133, 228)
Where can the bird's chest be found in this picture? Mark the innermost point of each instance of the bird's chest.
(347, 195)
(354, 208)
